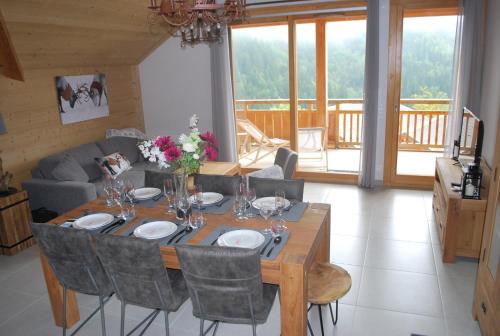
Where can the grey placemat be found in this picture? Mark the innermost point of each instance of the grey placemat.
(164, 241)
(226, 228)
(292, 214)
(219, 208)
(149, 203)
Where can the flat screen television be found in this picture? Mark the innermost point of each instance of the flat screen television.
(470, 139)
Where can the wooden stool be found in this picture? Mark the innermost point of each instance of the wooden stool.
(327, 283)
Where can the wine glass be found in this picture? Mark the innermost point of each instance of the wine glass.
(129, 190)
(266, 210)
(168, 191)
(251, 196)
(183, 204)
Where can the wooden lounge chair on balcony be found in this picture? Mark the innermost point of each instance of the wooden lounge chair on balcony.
(265, 145)
(312, 140)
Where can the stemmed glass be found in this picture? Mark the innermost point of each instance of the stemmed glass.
(266, 211)
(129, 190)
(250, 197)
(183, 204)
(168, 191)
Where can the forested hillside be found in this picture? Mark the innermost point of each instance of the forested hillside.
(261, 67)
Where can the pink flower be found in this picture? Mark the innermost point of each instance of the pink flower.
(164, 143)
(172, 153)
(209, 138)
(211, 153)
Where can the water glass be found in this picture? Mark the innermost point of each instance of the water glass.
(128, 211)
(108, 189)
(197, 219)
(198, 196)
(240, 204)
(250, 197)
(279, 202)
(129, 190)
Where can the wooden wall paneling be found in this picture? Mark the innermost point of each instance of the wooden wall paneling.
(34, 128)
(9, 63)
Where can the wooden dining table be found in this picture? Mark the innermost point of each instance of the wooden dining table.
(309, 241)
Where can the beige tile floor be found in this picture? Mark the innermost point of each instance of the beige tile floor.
(384, 238)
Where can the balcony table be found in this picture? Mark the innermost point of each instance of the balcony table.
(309, 241)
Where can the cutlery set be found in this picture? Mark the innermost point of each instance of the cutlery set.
(276, 240)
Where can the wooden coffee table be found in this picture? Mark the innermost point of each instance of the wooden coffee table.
(309, 241)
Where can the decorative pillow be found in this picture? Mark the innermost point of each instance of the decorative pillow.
(68, 169)
(113, 165)
(274, 172)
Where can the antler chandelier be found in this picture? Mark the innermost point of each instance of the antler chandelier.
(197, 21)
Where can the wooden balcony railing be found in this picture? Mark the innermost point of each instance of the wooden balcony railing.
(422, 123)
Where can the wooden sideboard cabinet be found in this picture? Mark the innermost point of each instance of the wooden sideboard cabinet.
(15, 220)
(460, 222)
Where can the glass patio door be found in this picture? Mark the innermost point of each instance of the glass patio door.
(421, 64)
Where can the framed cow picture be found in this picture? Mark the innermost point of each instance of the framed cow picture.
(82, 97)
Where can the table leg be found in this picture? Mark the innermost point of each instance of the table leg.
(56, 297)
(293, 287)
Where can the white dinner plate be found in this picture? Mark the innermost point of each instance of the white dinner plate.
(94, 221)
(241, 238)
(146, 193)
(268, 201)
(155, 230)
(210, 198)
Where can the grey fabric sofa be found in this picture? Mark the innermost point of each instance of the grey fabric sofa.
(62, 195)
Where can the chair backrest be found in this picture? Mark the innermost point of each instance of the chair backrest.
(137, 272)
(253, 130)
(294, 189)
(287, 160)
(225, 284)
(311, 138)
(225, 185)
(72, 256)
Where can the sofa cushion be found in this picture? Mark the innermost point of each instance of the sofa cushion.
(274, 172)
(47, 165)
(85, 155)
(113, 165)
(69, 170)
(125, 145)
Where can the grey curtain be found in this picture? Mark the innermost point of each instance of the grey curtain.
(467, 67)
(222, 100)
(370, 107)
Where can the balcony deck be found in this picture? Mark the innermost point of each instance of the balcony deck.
(347, 161)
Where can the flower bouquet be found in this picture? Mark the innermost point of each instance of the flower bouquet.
(186, 156)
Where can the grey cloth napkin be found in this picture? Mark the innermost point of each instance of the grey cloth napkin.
(218, 208)
(293, 213)
(226, 228)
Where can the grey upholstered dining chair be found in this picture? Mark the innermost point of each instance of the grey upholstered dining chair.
(287, 160)
(294, 189)
(71, 255)
(225, 285)
(139, 276)
(223, 184)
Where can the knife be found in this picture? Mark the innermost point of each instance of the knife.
(222, 202)
(176, 235)
(156, 198)
(265, 246)
(182, 236)
(112, 226)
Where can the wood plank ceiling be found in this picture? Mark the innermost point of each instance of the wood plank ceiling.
(62, 33)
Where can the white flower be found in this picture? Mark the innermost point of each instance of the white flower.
(183, 138)
(152, 159)
(189, 147)
(141, 147)
(193, 121)
(196, 156)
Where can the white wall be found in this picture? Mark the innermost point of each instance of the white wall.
(490, 95)
(176, 83)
